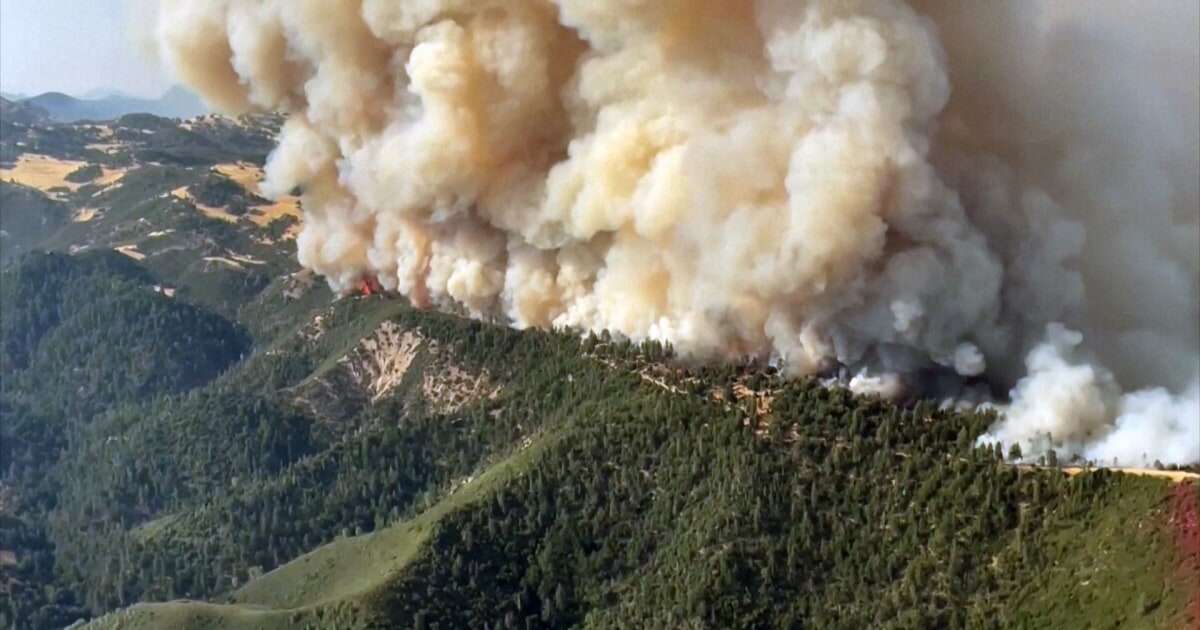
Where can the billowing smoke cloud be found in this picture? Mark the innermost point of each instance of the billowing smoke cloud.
(913, 191)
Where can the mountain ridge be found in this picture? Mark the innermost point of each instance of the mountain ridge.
(176, 102)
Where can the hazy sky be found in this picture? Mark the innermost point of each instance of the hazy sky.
(74, 46)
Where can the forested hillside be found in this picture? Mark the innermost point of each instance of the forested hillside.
(444, 473)
(170, 243)
(78, 336)
(186, 415)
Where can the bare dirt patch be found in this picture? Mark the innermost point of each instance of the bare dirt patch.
(84, 215)
(297, 284)
(131, 251)
(106, 147)
(378, 364)
(315, 329)
(233, 264)
(449, 388)
(380, 361)
(244, 259)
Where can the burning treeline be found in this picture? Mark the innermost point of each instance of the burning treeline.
(936, 187)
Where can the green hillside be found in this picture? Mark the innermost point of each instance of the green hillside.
(377, 466)
(348, 583)
(79, 336)
(680, 517)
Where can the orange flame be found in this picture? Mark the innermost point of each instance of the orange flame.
(369, 286)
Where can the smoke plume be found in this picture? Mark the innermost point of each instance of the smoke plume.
(937, 194)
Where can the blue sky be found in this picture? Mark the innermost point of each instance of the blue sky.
(76, 46)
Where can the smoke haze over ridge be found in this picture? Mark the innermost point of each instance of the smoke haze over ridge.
(983, 190)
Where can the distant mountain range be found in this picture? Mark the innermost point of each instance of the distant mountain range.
(21, 112)
(175, 103)
(102, 92)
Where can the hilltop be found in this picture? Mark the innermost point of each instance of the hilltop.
(21, 112)
(174, 103)
(196, 434)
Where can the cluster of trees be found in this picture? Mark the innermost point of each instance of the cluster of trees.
(85, 173)
(220, 191)
(212, 141)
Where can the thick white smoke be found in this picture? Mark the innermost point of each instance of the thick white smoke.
(906, 190)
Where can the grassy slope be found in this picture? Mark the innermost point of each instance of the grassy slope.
(1112, 569)
(317, 587)
(353, 566)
